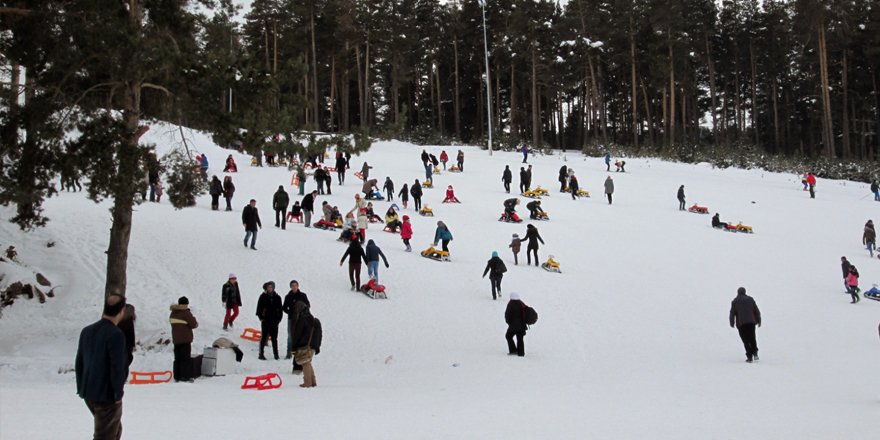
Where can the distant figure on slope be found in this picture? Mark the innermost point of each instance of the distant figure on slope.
(230, 167)
(404, 195)
(573, 185)
(745, 314)
(355, 254)
(182, 325)
(811, 180)
(388, 187)
(869, 236)
(495, 268)
(852, 283)
(717, 223)
(525, 153)
(535, 210)
(340, 168)
(506, 178)
(250, 218)
(515, 246)
(280, 201)
(607, 161)
(308, 207)
(804, 181)
(681, 198)
(514, 316)
(444, 158)
(369, 188)
(450, 196)
(609, 188)
(216, 190)
(360, 209)
(844, 266)
(621, 166)
(228, 191)
(875, 188)
(533, 237)
(365, 171)
(523, 180)
(231, 297)
(406, 232)
(392, 221)
(563, 178)
(460, 159)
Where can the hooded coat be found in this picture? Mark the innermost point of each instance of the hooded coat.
(373, 253)
(182, 324)
(533, 237)
(609, 186)
(269, 306)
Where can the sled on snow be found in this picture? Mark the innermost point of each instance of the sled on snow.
(739, 227)
(512, 218)
(532, 194)
(426, 212)
(873, 293)
(149, 377)
(699, 209)
(427, 184)
(325, 225)
(541, 215)
(454, 169)
(374, 290)
(269, 381)
(251, 334)
(551, 265)
(391, 230)
(359, 175)
(436, 254)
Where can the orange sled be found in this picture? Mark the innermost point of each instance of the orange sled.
(149, 377)
(251, 334)
(269, 381)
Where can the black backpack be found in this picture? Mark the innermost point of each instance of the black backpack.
(530, 316)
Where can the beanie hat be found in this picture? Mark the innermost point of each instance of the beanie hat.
(183, 300)
(494, 253)
(515, 235)
(231, 276)
(406, 217)
(514, 296)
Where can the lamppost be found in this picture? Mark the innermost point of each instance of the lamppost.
(488, 82)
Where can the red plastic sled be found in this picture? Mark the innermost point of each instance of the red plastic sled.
(268, 381)
(149, 377)
(251, 334)
(359, 175)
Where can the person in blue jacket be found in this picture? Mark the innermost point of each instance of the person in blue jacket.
(525, 153)
(607, 161)
(373, 253)
(204, 162)
(443, 235)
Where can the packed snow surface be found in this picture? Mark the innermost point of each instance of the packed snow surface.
(632, 341)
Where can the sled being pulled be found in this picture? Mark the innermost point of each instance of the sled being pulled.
(582, 193)
(426, 211)
(512, 218)
(551, 265)
(532, 194)
(374, 290)
(435, 254)
(873, 293)
(739, 227)
(699, 209)
(427, 184)
(454, 169)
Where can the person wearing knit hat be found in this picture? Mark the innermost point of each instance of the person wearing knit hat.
(231, 297)
(514, 316)
(270, 312)
(182, 324)
(515, 245)
(406, 232)
(495, 268)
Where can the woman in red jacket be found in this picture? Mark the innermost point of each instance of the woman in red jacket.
(406, 232)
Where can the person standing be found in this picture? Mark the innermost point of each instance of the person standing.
(340, 168)
(869, 237)
(416, 192)
(388, 187)
(442, 234)
(523, 178)
(875, 188)
(127, 327)
(529, 178)
(101, 370)
(404, 195)
(215, 190)
(845, 265)
(280, 202)
(250, 218)
(514, 316)
(811, 180)
(270, 312)
(681, 198)
(307, 336)
(294, 302)
(444, 158)
(328, 182)
(495, 268)
(515, 246)
(406, 232)
(506, 178)
(228, 191)
(852, 284)
(533, 238)
(460, 159)
(609, 188)
(360, 210)
(355, 254)
(745, 315)
(525, 153)
(204, 165)
(573, 185)
(153, 176)
(301, 177)
(308, 207)
(365, 171)
(563, 177)
(319, 178)
(373, 253)
(607, 161)
(231, 297)
(182, 325)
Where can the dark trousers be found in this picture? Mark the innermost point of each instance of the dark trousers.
(496, 285)
(812, 192)
(182, 362)
(389, 195)
(609, 198)
(283, 221)
(747, 334)
(529, 252)
(445, 244)
(340, 176)
(354, 274)
(417, 203)
(108, 420)
(215, 201)
(461, 165)
(269, 330)
(229, 203)
(681, 204)
(519, 348)
(561, 185)
(515, 257)
(522, 187)
(507, 185)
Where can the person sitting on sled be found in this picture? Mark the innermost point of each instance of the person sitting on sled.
(391, 220)
(717, 223)
(295, 213)
(510, 208)
(371, 215)
(450, 196)
(351, 232)
(535, 210)
(335, 215)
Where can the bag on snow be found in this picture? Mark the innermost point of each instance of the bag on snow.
(530, 315)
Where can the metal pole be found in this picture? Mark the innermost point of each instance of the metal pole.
(230, 100)
(488, 82)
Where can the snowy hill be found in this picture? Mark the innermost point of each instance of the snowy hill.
(632, 341)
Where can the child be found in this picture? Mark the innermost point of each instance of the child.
(450, 196)
(515, 246)
(295, 213)
(620, 164)
(852, 284)
(406, 232)
(371, 216)
(159, 191)
(391, 220)
(404, 195)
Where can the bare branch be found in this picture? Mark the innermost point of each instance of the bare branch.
(147, 85)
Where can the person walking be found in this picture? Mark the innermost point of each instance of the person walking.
(681, 198)
(745, 315)
(444, 158)
(404, 195)
(100, 369)
(506, 178)
(563, 178)
(406, 232)
(514, 316)
(573, 185)
(373, 253)
(869, 237)
(811, 181)
(280, 202)
(182, 325)
(365, 171)
(442, 235)
(215, 190)
(609, 188)
(231, 297)
(875, 188)
(388, 187)
(416, 192)
(852, 284)
(308, 207)
(523, 178)
(525, 153)
(355, 254)
(228, 191)
(845, 265)
(515, 246)
(533, 237)
(250, 218)
(307, 336)
(495, 268)
(607, 161)
(294, 302)
(340, 168)
(269, 311)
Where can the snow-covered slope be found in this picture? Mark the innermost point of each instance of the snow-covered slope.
(632, 341)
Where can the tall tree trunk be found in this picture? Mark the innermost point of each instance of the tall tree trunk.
(712, 88)
(536, 109)
(827, 124)
(514, 125)
(361, 87)
(333, 123)
(496, 106)
(596, 100)
(847, 149)
(368, 108)
(648, 114)
(439, 99)
(754, 64)
(455, 99)
(671, 92)
(274, 47)
(775, 115)
(634, 102)
(315, 95)
(480, 110)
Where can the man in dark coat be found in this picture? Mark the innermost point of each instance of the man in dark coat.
(416, 192)
(307, 337)
(523, 178)
(280, 202)
(528, 178)
(182, 325)
(319, 179)
(294, 302)
(745, 314)
(516, 325)
(506, 178)
(563, 176)
(250, 218)
(681, 198)
(101, 369)
(308, 207)
(844, 265)
(389, 189)
(355, 254)
(340, 168)
(533, 238)
(495, 268)
(270, 311)
(231, 297)
(534, 208)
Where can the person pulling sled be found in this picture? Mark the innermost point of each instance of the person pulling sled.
(509, 214)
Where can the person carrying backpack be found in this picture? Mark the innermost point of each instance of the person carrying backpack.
(307, 336)
(495, 268)
(517, 316)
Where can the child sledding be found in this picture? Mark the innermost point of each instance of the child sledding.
(551, 265)
(509, 214)
(371, 215)
(729, 227)
(450, 196)
(351, 232)
(392, 221)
